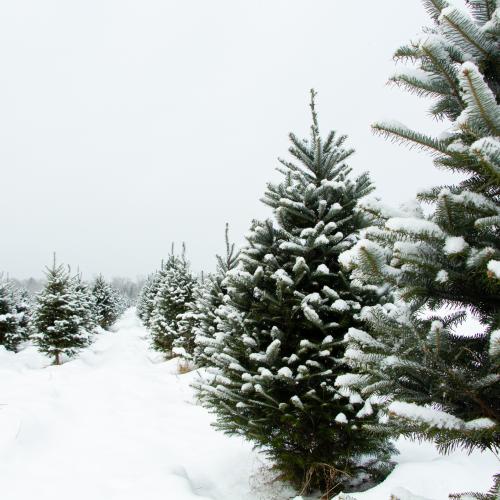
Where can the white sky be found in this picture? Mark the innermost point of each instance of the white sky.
(128, 124)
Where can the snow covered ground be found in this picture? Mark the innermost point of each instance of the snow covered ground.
(118, 423)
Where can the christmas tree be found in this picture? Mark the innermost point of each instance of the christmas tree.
(444, 385)
(23, 305)
(189, 322)
(287, 308)
(210, 298)
(12, 332)
(145, 301)
(57, 321)
(108, 303)
(85, 303)
(175, 292)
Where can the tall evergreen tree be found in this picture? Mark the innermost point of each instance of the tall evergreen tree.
(287, 309)
(210, 298)
(443, 385)
(57, 319)
(107, 300)
(175, 292)
(11, 331)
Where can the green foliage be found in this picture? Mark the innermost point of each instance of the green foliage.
(12, 317)
(145, 301)
(85, 303)
(108, 304)
(209, 297)
(279, 346)
(23, 305)
(176, 286)
(444, 267)
(59, 321)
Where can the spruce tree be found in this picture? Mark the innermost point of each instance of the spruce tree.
(210, 298)
(23, 305)
(287, 308)
(85, 304)
(175, 292)
(57, 319)
(189, 322)
(443, 385)
(145, 301)
(107, 300)
(11, 331)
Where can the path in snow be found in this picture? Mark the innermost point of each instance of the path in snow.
(118, 423)
(114, 423)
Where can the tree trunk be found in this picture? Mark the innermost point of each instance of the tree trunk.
(57, 361)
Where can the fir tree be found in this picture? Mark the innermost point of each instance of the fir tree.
(23, 305)
(210, 298)
(287, 309)
(175, 291)
(443, 385)
(57, 320)
(108, 303)
(145, 301)
(85, 304)
(189, 322)
(11, 331)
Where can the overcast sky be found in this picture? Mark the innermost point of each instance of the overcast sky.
(128, 124)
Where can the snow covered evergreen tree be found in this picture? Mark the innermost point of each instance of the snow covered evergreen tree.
(85, 304)
(175, 291)
(210, 298)
(189, 322)
(57, 320)
(145, 301)
(444, 385)
(11, 330)
(287, 309)
(23, 305)
(108, 303)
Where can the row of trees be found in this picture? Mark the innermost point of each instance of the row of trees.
(163, 305)
(335, 328)
(62, 318)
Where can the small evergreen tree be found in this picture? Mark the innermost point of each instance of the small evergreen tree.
(287, 308)
(57, 319)
(189, 322)
(444, 385)
(108, 304)
(85, 304)
(145, 301)
(11, 331)
(23, 306)
(175, 291)
(210, 298)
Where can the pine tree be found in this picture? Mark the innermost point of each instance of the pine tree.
(23, 305)
(287, 309)
(210, 298)
(108, 304)
(145, 301)
(85, 304)
(444, 386)
(11, 331)
(189, 322)
(57, 319)
(175, 292)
